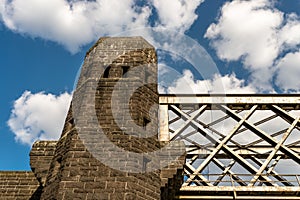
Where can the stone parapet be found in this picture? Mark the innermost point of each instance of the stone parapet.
(41, 155)
(21, 185)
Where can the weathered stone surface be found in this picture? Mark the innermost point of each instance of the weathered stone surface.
(74, 172)
(20, 185)
(172, 179)
(41, 155)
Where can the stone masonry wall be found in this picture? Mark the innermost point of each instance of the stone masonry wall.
(172, 179)
(74, 172)
(20, 185)
(41, 155)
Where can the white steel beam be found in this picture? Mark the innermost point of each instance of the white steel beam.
(233, 99)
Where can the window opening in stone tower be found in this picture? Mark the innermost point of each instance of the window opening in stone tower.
(125, 70)
(106, 72)
(145, 122)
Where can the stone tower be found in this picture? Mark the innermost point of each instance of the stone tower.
(117, 95)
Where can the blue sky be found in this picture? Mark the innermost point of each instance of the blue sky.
(255, 45)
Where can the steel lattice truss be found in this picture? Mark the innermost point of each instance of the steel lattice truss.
(236, 142)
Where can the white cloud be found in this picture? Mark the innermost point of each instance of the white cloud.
(289, 35)
(250, 28)
(247, 30)
(38, 116)
(289, 72)
(2, 7)
(256, 33)
(176, 14)
(72, 23)
(228, 84)
(76, 23)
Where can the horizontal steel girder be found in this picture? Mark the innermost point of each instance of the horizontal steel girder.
(257, 151)
(238, 192)
(289, 102)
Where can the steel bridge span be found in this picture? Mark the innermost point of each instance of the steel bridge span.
(237, 146)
